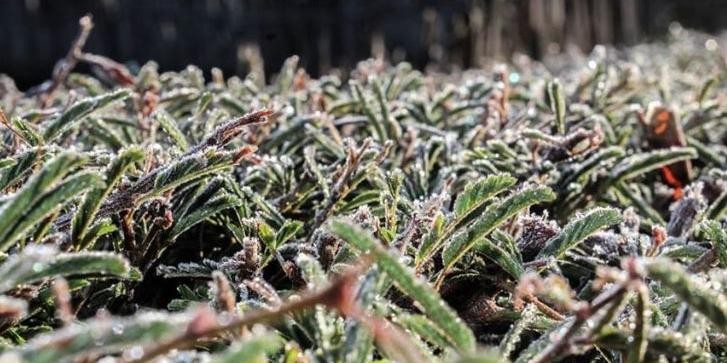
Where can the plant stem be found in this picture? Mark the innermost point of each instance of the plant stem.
(337, 295)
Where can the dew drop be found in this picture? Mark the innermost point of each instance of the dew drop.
(711, 45)
(133, 353)
(118, 329)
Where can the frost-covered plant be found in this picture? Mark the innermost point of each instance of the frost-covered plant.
(570, 209)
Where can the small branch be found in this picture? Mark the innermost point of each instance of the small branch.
(339, 296)
(545, 309)
(115, 70)
(5, 122)
(704, 262)
(224, 133)
(127, 229)
(339, 189)
(551, 353)
(66, 65)
(62, 296)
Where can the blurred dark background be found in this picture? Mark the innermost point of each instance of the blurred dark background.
(327, 34)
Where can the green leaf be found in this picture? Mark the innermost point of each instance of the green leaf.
(538, 346)
(41, 195)
(393, 128)
(467, 207)
(287, 74)
(212, 207)
(289, 229)
(578, 230)
(36, 263)
(500, 256)
(33, 190)
(714, 232)
(377, 125)
(514, 335)
(358, 345)
(710, 303)
(170, 127)
(594, 162)
(315, 170)
(706, 87)
(311, 270)
(674, 346)
(190, 168)
(493, 216)
(556, 101)
(267, 235)
(81, 109)
(50, 202)
(86, 212)
(20, 165)
(253, 350)
(475, 194)
(636, 200)
(99, 336)
(640, 342)
(27, 131)
(98, 230)
(457, 332)
(707, 153)
(485, 357)
(718, 208)
(425, 328)
(640, 164)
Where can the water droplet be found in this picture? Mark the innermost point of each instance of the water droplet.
(118, 329)
(711, 45)
(225, 319)
(133, 353)
(675, 28)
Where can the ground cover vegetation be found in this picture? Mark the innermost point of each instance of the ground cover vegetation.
(531, 212)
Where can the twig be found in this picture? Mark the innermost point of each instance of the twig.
(62, 296)
(550, 353)
(5, 122)
(339, 189)
(338, 296)
(544, 308)
(115, 70)
(704, 261)
(64, 67)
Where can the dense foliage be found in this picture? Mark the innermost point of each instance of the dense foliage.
(519, 212)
